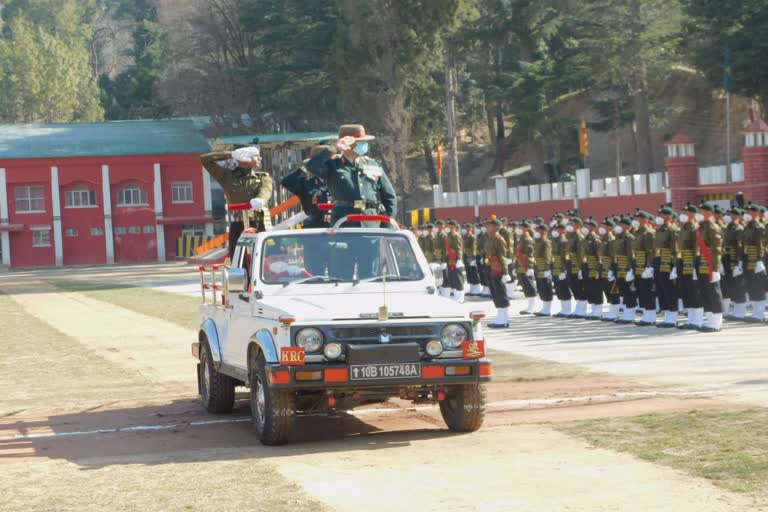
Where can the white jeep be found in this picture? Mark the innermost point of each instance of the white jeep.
(321, 320)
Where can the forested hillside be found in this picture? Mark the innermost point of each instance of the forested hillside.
(524, 71)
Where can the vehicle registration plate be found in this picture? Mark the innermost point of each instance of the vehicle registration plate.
(385, 371)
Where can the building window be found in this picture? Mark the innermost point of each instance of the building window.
(181, 192)
(192, 230)
(134, 230)
(132, 195)
(71, 232)
(97, 231)
(120, 230)
(148, 230)
(41, 238)
(80, 197)
(29, 199)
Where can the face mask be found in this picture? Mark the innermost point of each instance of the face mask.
(584, 231)
(434, 231)
(728, 219)
(659, 221)
(747, 217)
(483, 230)
(635, 224)
(536, 235)
(699, 217)
(555, 234)
(569, 228)
(602, 231)
(518, 232)
(552, 223)
(463, 231)
(361, 148)
(683, 218)
(618, 230)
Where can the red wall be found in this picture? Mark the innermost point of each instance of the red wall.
(133, 247)
(84, 249)
(179, 170)
(597, 207)
(22, 252)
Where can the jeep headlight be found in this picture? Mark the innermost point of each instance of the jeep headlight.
(452, 335)
(310, 338)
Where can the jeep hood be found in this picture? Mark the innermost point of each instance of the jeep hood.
(325, 308)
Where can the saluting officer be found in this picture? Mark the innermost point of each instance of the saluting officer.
(525, 264)
(559, 271)
(357, 182)
(238, 174)
(754, 252)
(542, 255)
(470, 259)
(666, 252)
(428, 237)
(310, 190)
(590, 250)
(454, 257)
(643, 244)
(496, 253)
(732, 284)
(710, 240)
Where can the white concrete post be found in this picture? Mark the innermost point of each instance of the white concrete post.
(58, 241)
(5, 239)
(501, 191)
(106, 194)
(207, 204)
(159, 229)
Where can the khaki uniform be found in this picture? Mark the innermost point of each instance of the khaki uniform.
(590, 251)
(710, 243)
(542, 256)
(643, 247)
(666, 252)
(525, 255)
(496, 253)
(733, 287)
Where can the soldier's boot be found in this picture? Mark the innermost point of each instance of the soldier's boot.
(510, 290)
(739, 311)
(486, 292)
(565, 308)
(698, 318)
(531, 305)
(502, 319)
(726, 307)
(628, 316)
(458, 296)
(475, 289)
(445, 292)
(714, 323)
(613, 313)
(688, 319)
(680, 307)
(546, 309)
(581, 309)
(649, 318)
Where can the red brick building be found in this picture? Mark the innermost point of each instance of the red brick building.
(116, 192)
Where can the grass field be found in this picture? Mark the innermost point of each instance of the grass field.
(730, 448)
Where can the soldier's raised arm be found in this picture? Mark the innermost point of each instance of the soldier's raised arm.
(293, 182)
(218, 172)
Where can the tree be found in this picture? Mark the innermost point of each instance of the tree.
(713, 27)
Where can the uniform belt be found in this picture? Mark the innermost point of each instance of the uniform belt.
(357, 204)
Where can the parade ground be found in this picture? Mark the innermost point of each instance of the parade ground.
(99, 411)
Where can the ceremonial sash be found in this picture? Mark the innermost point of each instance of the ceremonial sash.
(521, 257)
(451, 254)
(705, 252)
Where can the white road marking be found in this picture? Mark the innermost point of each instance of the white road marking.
(504, 403)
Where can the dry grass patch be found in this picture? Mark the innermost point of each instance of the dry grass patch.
(511, 367)
(730, 448)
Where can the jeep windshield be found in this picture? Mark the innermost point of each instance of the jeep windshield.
(341, 257)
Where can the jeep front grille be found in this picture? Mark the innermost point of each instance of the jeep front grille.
(396, 331)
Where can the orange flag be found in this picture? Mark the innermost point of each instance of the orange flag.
(439, 162)
(583, 139)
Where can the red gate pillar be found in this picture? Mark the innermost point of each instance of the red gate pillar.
(683, 168)
(755, 155)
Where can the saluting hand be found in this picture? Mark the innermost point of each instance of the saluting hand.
(344, 144)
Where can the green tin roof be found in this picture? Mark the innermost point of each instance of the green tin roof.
(274, 140)
(115, 138)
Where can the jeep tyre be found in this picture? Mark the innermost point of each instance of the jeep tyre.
(463, 409)
(217, 391)
(273, 410)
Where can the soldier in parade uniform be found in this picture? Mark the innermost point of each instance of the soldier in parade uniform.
(559, 271)
(525, 270)
(666, 253)
(357, 182)
(311, 191)
(507, 232)
(623, 255)
(608, 270)
(643, 247)
(710, 240)
(590, 251)
(573, 263)
(439, 255)
(470, 260)
(496, 253)
(542, 256)
(482, 268)
(732, 284)
(454, 258)
(238, 174)
(688, 272)
(428, 243)
(754, 252)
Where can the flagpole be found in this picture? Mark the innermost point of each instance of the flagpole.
(729, 176)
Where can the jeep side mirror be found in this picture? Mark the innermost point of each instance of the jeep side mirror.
(235, 280)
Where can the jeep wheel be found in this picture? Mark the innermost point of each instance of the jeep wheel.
(217, 390)
(272, 410)
(463, 409)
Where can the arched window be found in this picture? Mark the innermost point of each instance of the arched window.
(132, 195)
(80, 197)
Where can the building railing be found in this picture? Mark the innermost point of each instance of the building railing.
(719, 174)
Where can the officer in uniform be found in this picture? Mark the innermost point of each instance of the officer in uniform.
(454, 258)
(470, 259)
(311, 191)
(643, 244)
(666, 252)
(439, 255)
(238, 174)
(357, 183)
(496, 253)
(559, 271)
(732, 284)
(509, 236)
(608, 270)
(525, 264)
(573, 263)
(710, 240)
(428, 241)
(482, 268)
(688, 270)
(590, 250)
(623, 255)
(754, 252)
(542, 256)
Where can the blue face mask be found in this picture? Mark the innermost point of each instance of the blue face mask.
(361, 148)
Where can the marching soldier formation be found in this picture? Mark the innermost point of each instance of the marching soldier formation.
(686, 270)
